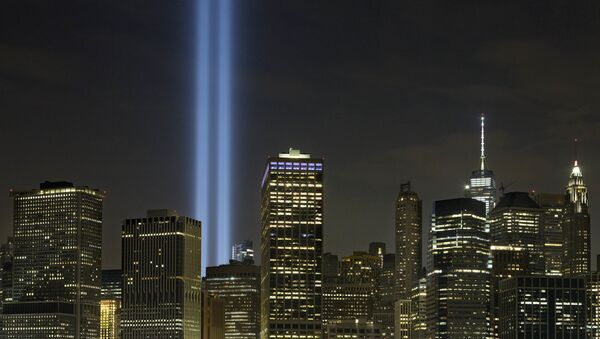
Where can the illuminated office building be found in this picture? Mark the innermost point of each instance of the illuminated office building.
(353, 329)
(482, 185)
(419, 319)
(161, 276)
(517, 242)
(110, 304)
(57, 263)
(576, 226)
(352, 295)
(517, 236)
(458, 275)
(553, 206)
(542, 307)
(238, 286)
(243, 252)
(592, 318)
(383, 311)
(292, 246)
(408, 241)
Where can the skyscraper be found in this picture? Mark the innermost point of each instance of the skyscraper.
(517, 236)
(458, 275)
(238, 286)
(517, 242)
(576, 226)
(57, 263)
(243, 251)
(408, 240)
(161, 275)
(292, 246)
(542, 307)
(482, 185)
(553, 206)
(383, 312)
(110, 304)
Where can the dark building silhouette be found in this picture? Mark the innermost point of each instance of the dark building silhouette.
(237, 285)
(292, 247)
(458, 275)
(161, 276)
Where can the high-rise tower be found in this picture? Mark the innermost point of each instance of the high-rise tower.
(458, 275)
(57, 263)
(292, 246)
(161, 275)
(408, 241)
(482, 185)
(576, 226)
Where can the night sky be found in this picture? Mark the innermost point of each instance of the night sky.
(101, 93)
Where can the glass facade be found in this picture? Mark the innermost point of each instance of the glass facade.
(458, 275)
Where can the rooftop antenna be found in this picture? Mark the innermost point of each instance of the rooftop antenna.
(576, 150)
(482, 165)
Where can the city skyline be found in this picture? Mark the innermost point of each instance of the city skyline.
(393, 90)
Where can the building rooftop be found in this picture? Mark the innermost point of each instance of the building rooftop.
(516, 199)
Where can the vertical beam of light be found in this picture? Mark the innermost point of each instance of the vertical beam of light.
(202, 155)
(213, 128)
(224, 132)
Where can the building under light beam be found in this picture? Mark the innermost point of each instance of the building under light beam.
(161, 276)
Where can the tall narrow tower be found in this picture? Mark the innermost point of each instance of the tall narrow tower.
(482, 185)
(408, 241)
(576, 227)
(292, 247)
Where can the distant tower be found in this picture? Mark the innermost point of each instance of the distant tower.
(482, 185)
(576, 226)
(408, 240)
(243, 252)
(292, 247)
(161, 275)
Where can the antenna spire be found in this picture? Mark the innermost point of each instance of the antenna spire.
(482, 165)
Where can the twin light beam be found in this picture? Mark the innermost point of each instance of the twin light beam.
(213, 128)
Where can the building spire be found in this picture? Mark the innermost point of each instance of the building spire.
(482, 165)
